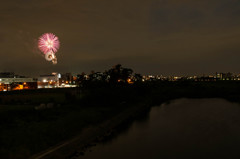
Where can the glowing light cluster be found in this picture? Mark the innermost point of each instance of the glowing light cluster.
(48, 42)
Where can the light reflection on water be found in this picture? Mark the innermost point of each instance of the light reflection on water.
(189, 128)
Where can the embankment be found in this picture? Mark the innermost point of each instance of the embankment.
(92, 135)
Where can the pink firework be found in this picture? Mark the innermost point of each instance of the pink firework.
(48, 42)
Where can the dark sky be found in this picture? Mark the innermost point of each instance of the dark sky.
(180, 37)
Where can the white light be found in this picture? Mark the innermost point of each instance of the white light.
(44, 80)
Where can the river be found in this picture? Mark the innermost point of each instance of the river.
(189, 128)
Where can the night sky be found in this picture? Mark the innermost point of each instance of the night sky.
(169, 37)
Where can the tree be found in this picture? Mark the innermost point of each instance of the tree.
(118, 74)
(138, 77)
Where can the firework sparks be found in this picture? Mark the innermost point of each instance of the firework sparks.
(48, 42)
(50, 56)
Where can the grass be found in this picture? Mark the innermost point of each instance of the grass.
(31, 130)
(25, 131)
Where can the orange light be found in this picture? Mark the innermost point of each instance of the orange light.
(129, 81)
(19, 87)
(24, 83)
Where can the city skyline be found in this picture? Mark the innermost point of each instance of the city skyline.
(151, 37)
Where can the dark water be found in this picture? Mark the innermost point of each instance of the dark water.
(185, 128)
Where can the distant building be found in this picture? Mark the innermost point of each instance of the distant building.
(56, 80)
(225, 76)
(97, 76)
(9, 81)
(206, 79)
(66, 79)
(7, 75)
(49, 81)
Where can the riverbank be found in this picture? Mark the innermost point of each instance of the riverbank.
(29, 126)
(92, 135)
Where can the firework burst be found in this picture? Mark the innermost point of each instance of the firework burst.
(48, 42)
